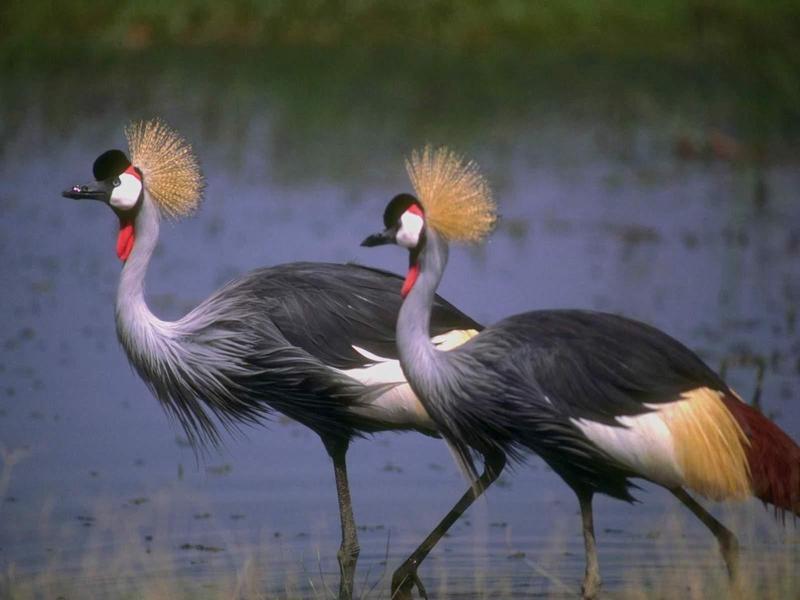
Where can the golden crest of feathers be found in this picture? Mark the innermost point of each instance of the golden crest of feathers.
(169, 167)
(456, 198)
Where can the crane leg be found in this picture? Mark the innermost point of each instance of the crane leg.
(591, 579)
(405, 577)
(349, 549)
(728, 544)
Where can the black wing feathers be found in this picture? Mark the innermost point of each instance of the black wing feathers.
(600, 366)
(326, 309)
(274, 335)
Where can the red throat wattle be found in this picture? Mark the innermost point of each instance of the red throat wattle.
(125, 239)
(411, 279)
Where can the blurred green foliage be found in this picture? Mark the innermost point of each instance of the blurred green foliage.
(399, 66)
(762, 37)
(681, 28)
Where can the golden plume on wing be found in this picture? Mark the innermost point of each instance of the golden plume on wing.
(169, 168)
(456, 198)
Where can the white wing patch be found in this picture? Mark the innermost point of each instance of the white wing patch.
(388, 370)
(643, 443)
(382, 370)
(398, 406)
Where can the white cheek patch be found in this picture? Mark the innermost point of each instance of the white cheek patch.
(126, 194)
(410, 230)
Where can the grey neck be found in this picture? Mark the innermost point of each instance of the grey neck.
(139, 329)
(434, 376)
(424, 365)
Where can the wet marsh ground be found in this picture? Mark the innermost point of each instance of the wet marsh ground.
(641, 188)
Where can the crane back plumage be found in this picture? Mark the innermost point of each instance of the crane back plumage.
(281, 339)
(296, 339)
(602, 399)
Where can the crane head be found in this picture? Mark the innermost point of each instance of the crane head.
(404, 222)
(119, 184)
(116, 182)
(161, 162)
(162, 170)
(453, 201)
(451, 197)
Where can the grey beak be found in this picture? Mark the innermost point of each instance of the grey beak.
(379, 239)
(95, 190)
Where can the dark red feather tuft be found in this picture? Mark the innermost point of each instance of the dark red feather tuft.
(773, 457)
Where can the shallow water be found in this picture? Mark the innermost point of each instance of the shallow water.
(628, 198)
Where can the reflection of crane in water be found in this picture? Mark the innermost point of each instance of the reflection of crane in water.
(600, 398)
(314, 341)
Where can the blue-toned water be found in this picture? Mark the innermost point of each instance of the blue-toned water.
(625, 201)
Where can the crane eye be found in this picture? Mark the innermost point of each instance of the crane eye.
(115, 182)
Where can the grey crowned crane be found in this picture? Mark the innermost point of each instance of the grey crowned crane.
(601, 398)
(314, 341)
